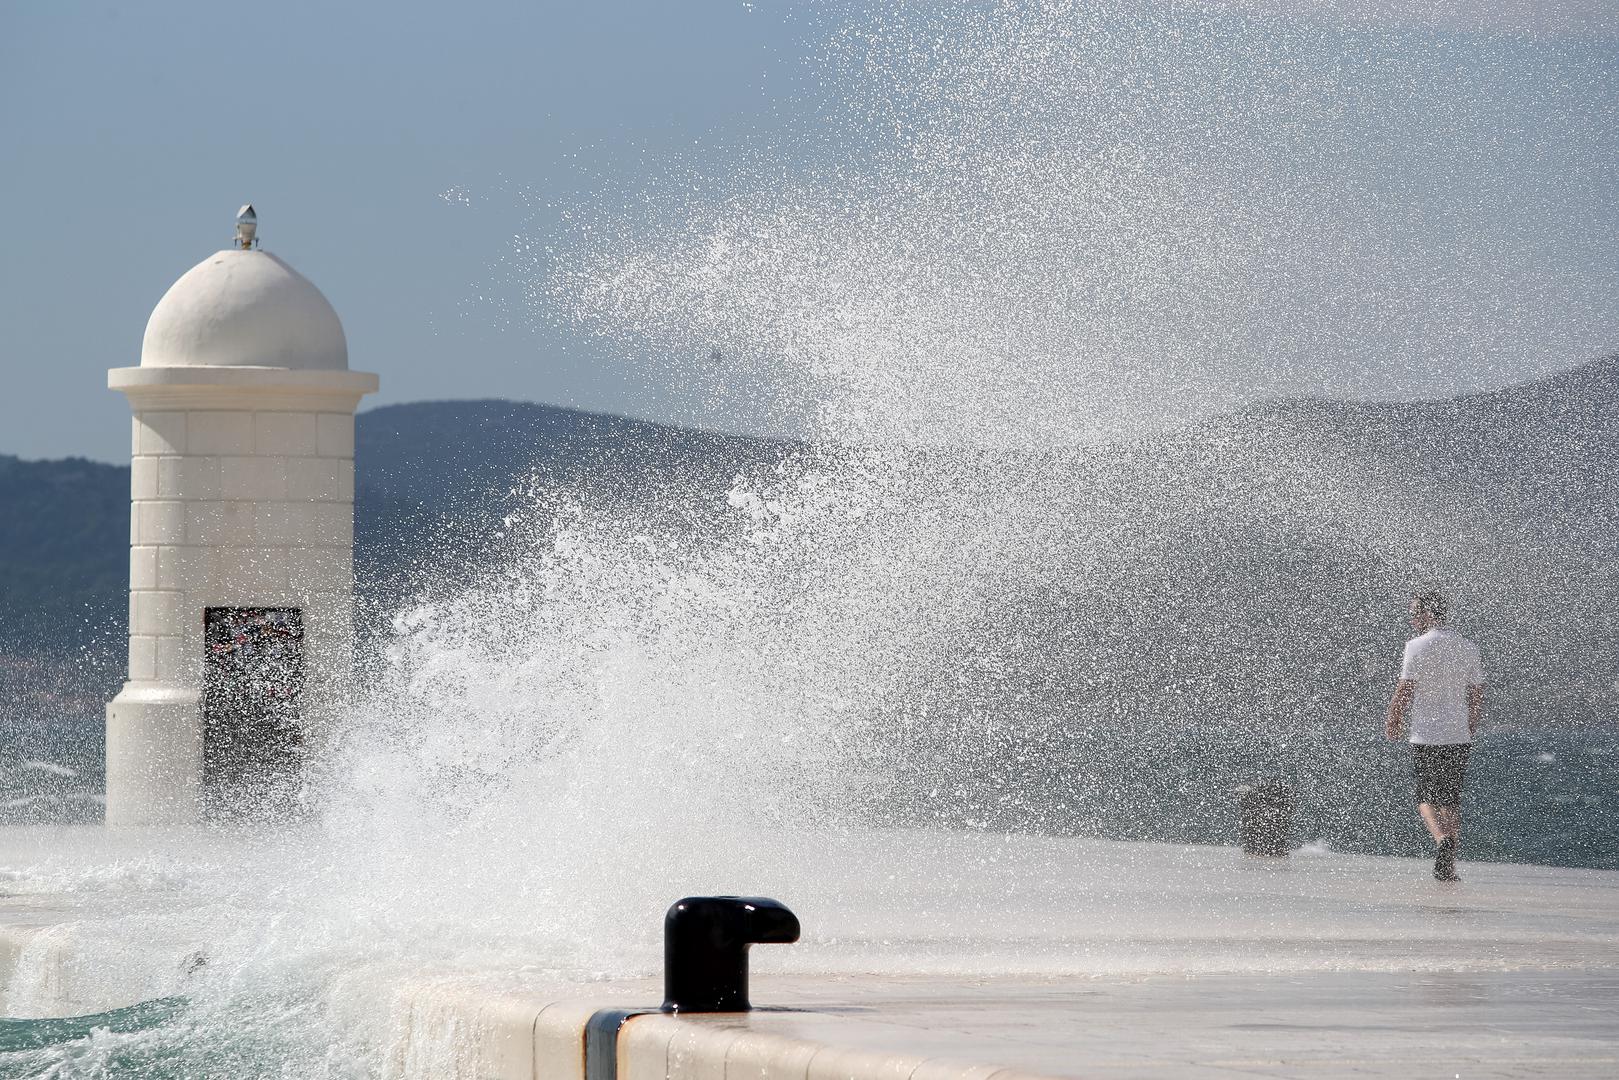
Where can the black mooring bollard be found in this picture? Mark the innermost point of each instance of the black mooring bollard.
(1267, 818)
(705, 949)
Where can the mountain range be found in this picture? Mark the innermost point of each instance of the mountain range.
(1506, 489)
(1240, 580)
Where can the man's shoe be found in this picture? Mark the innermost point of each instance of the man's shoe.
(1444, 863)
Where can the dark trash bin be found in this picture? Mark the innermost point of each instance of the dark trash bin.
(1267, 819)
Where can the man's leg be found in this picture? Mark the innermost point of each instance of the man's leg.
(1444, 865)
(1458, 781)
(1431, 817)
(1450, 820)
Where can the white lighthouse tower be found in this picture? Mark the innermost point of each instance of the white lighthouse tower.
(241, 542)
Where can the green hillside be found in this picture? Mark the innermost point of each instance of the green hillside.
(64, 553)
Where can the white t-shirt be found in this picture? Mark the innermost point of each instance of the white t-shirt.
(1442, 664)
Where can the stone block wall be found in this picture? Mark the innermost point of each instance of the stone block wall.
(240, 508)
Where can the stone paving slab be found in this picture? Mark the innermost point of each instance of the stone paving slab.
(1332, 1025)
(1047, 957)
(1326, 1024)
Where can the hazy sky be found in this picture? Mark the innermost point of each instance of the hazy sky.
(410, 159)
(131, 132)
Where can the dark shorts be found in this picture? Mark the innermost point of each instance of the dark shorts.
(1441, 771)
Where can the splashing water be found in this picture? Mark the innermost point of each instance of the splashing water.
(1042, 223)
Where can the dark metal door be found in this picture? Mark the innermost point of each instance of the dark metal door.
(252, 737)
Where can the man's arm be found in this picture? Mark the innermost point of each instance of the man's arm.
(1475, 709)
(1399, 705)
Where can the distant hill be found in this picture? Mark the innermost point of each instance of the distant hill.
(64, 552)
(1226, 602)
(1509, 498)
(1304, 494)
(1250, 494)
(1216, 601)
(436, 477)
(428, 467)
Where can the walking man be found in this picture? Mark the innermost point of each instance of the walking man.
(1441, 691)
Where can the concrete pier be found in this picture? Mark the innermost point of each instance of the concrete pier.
(1203, 1027)
(1124, 960)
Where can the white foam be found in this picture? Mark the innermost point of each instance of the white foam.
(49, 767)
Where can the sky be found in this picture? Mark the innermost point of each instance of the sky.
(438, 170)
(132, 132)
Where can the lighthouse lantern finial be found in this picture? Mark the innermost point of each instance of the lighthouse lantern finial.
(247, 227)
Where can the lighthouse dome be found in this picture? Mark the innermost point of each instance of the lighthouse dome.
(244, 307)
